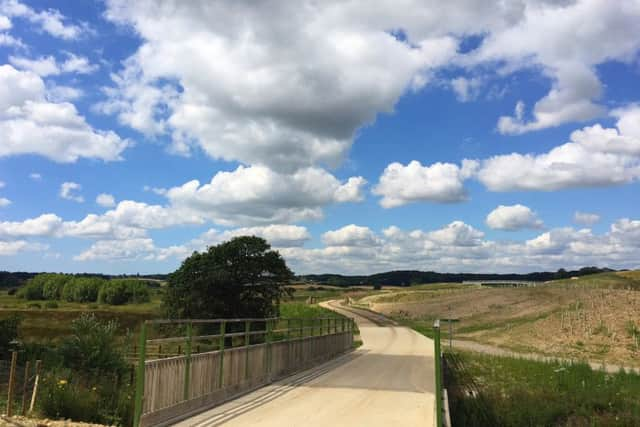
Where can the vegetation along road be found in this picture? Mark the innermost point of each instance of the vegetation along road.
(389, 380)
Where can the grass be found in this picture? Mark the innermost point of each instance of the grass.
(502, 391)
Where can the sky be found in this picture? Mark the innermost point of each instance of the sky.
(355, 136)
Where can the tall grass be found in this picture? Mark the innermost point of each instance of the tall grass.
(502, 391)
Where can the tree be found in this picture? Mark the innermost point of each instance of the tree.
(239, 278)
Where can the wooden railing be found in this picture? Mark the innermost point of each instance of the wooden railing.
(239, 355)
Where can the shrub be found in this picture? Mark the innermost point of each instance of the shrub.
(34, 305)
(63, 398)
(53, 285)
(32, 290)
(82, 289)
(119, 291)
(51, 305)
(92, 348)
(12, 291)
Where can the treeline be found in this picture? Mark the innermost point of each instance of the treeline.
(16, 279)
(413, 277)
(84, 289)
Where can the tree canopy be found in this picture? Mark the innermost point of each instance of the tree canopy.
(243, 277)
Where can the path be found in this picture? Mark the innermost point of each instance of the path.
(389, 381)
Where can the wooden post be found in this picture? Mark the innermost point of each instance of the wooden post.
(25, 385)
(247, 343)
(187, 367)
(221, 348)
(12, 380)
(269, 338)
(35, 387)
(137, 412)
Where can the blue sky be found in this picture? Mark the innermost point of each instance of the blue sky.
(356, 139)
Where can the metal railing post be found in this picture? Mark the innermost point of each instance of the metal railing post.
(139, 396)
(187, 366)
(221, 348)
(438, 367)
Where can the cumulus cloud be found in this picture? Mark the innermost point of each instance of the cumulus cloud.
(350, 235)
(50, 21)
(459, 247)
(257, 194)
(16, 246)
(48, 65)
(4, 202)
(286, 91)
(560, 40)
(585, 218)
(440, 182)
(31, 124)
(512, 218)
(68, 191)
(594, 156)
(34, 176)
(106, 200)
(466, 89)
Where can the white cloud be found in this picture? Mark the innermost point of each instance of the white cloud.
(350, 235)
(2, 184)
(51, 21)
(559, 40)
(5, 23)
(119, 250)
(30, 124)
(106, 200)
(48, 65)
(466, 89)
(4, 202)
(595, 156)
(43, 66)
(257, 194)
(14, 247)
(68, 191)
(440, 182)
(57, 93)
(44, 225)
(585, 218)
(286, 87)
(35, 176)
(511, 218)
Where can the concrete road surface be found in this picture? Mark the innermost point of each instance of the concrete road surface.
(389, 382)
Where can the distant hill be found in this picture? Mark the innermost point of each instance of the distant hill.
(414, 277)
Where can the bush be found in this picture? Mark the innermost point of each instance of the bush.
(53, 285)
(34, 305)
(119, 291)
(82, 289)
(51, 305)
(32, 290)
(92, 348)
(69, 400)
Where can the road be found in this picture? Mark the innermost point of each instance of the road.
(388, 381)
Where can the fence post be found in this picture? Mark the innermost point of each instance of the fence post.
(438, 366)
(221, 348)
(187, 367)
(137, 413)
(269, 337)
(12, 380)
(247, 343)
(35, 386)
(25, 384)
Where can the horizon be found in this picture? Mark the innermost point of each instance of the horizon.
(468, 138)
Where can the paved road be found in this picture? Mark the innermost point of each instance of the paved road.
(389, 381)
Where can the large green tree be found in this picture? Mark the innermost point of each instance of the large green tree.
(243, 277)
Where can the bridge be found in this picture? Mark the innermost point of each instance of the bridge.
(292, 373)
(503, 283)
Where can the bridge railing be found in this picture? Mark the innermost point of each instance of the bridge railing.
(188, 366)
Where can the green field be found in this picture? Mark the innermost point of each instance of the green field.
(503, 392)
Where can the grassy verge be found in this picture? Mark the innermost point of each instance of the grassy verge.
(502, 391)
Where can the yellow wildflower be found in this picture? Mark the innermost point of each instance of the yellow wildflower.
(62, 382)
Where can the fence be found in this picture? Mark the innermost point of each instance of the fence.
(19, 383)
(231, 357)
